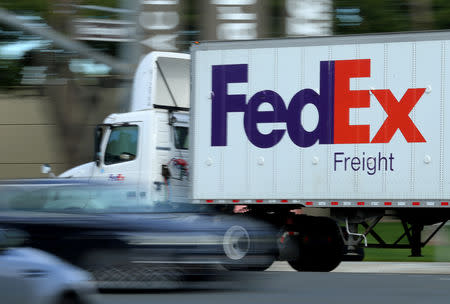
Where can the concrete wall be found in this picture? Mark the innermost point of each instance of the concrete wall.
(30, 134)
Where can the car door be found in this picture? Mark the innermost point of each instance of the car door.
(15, 287)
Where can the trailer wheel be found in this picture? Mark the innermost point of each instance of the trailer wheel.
(244, 251)
(320, 245)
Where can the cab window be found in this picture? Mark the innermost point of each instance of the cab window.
(122, 145)
(181, 138)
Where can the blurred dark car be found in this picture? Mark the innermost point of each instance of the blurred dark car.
(127, 242)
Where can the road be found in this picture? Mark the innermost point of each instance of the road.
(282, 287)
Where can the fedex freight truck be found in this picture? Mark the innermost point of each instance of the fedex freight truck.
(316, 135)
(357, 125)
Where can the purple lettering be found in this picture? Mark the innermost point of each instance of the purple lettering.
(369, 164)
(324, 104)
(222, 103)
(336, 160)
(326, 107)
(356, 164)
(252, 117)
(297, 133)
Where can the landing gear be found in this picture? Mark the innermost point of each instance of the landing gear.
(320, 244)
(354, 255)
(412, 221)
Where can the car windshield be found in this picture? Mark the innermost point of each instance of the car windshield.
(88, 200)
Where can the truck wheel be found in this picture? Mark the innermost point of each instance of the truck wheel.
(244, 252)
(320, 245)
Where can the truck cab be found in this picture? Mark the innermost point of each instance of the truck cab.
(147, 148)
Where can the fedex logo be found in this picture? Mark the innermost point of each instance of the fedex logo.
(333, 104)
(116, 178)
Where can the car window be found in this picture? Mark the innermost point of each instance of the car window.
(66, 199)
(91, 199)
(24, 199)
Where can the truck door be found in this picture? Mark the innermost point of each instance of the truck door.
(179, 164)
(120, 161)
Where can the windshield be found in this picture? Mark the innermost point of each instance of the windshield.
(91, 199)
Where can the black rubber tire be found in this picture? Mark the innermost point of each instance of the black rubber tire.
(247, 267)
(320, 245)
(69, 298)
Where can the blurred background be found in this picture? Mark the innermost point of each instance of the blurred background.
(66, 64)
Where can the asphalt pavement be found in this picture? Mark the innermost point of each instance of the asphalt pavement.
(352, 282)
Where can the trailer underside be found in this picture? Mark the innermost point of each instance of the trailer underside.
(320, 242)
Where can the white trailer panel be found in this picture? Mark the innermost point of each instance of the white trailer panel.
(385, 137)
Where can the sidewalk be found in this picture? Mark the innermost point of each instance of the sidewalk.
(381, 267)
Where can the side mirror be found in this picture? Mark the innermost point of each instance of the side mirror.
(97, 142)
(47, 169)
(97, 159)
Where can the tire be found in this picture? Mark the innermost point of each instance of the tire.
(246, 252)
(320, 245)
(246, 267)
(69, 298)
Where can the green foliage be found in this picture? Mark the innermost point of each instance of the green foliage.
(34, 6)
(10, 73)
(430, 254)
(390, 231)
(441, 12)
(377, 16)
(108, 3)
(392, 16)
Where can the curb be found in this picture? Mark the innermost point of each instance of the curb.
(380, 267)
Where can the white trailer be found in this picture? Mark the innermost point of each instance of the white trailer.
(355, 127)
(357, 120)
